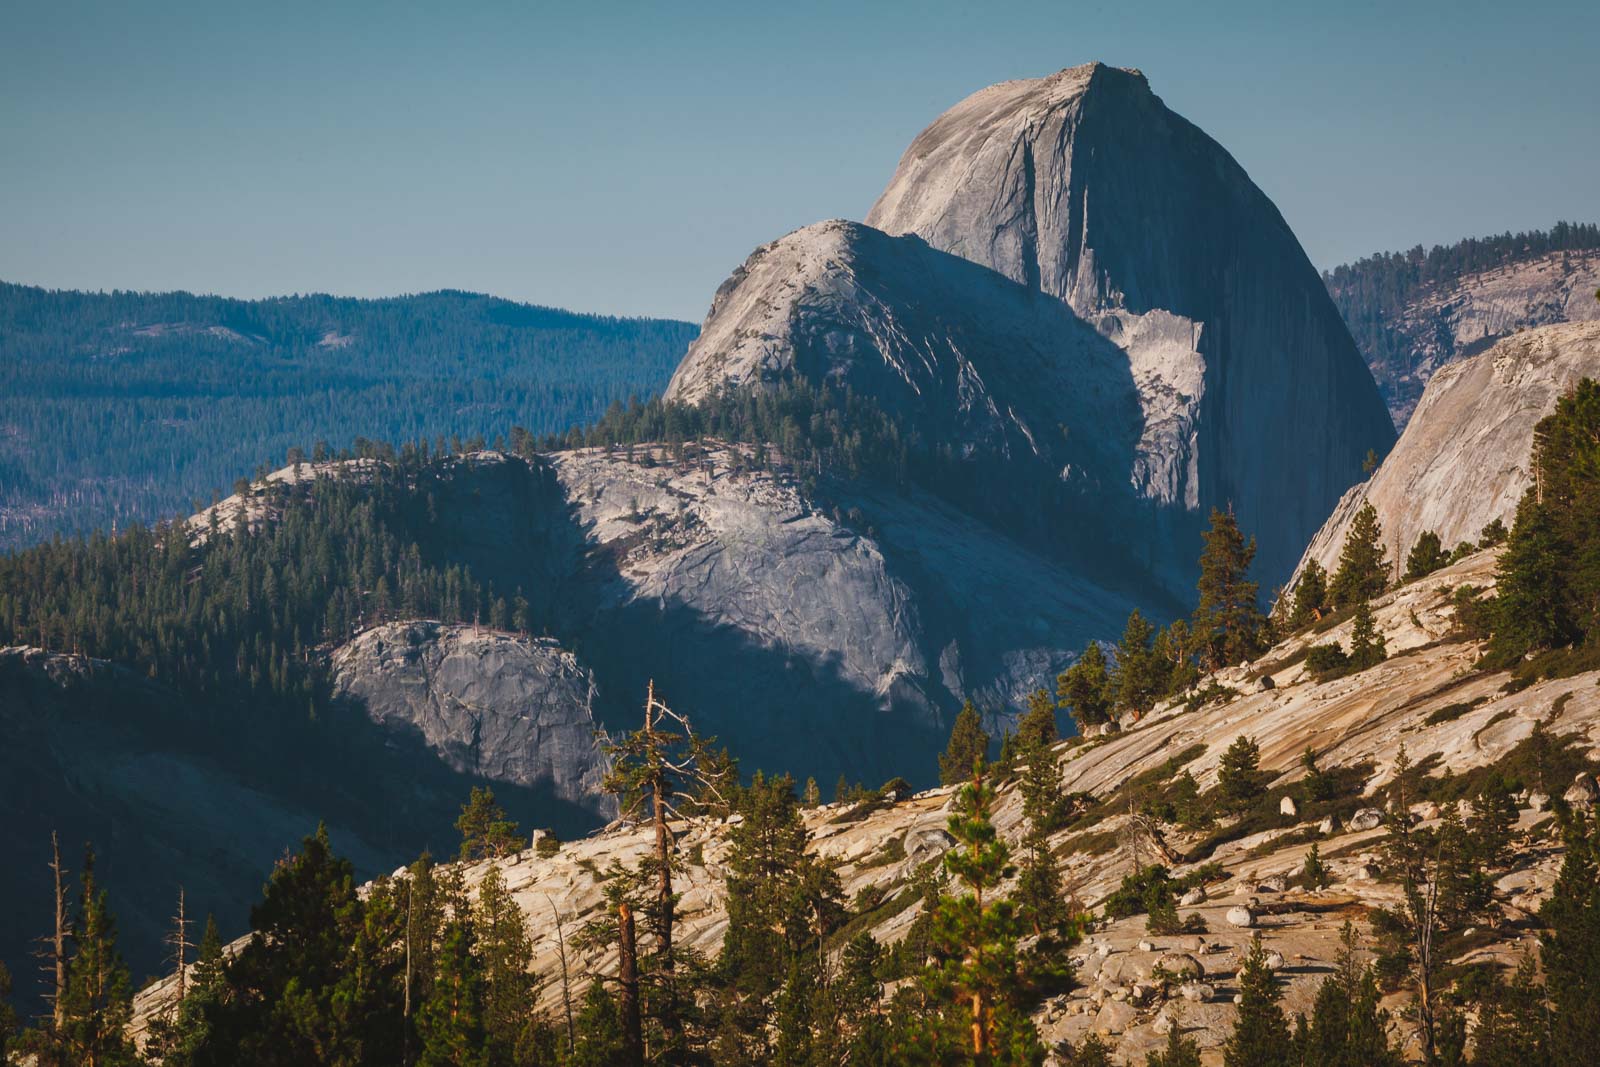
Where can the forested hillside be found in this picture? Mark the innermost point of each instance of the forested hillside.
(131, 406)
(1412, 311)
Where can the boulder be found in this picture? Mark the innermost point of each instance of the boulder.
(1146, 946)
(1288, 807)
(1329, 825)
(1238, 915)
(1366, 819)
(925, 843)
(1275, 884)
(1274, 961)
(1539, 801)
(1196, 992)
(1583, 793)
(1114, 1017)
(1266, 684)
(1180, 966)
(1194, 896)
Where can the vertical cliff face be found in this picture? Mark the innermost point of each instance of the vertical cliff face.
(1084, 186)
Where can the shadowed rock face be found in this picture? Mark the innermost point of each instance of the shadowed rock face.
(496, 706)
(1465, 458)
(968, 357)
(1084, 186)
(818, 640)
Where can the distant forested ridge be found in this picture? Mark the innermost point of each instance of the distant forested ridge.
(124, 407)
(1379, 294)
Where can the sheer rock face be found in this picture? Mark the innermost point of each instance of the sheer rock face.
(493, 705)
(1084, 186)
(814, 639)
(1465, 457)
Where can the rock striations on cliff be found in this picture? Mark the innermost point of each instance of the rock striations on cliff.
(1465, 457)
(1232, 379)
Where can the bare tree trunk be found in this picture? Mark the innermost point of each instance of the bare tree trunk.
(664, 904)
(405, 1016)
(628, 976)
(58, 942)
(179, 940)
(566, 986)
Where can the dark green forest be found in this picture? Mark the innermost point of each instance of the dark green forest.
(123, 407)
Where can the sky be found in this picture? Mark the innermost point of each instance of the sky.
(624, 158)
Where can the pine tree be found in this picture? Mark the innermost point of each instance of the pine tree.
(1260, 1035)
(1367, 645)
(599, 1041)
(8, 1015)
(1426, 556)
(1513, 1022)
(509, 999)
(1038, 724)
(1180, 1051)
(175, 1041)
(1085, 689)
(1039, 898)
(968, 743)
(812, 797)
(1313, 873)
(1571, 942)
(1531, 607)
(1239, 775)
(1347, 1028)
(978, 936)
(1228, 623)
(451, 1019)
(99, 1000)
(486, 831)
(782, 904)
(1310, 596)
(295, 993)
(1490, 826)
(1363, 569)
(1091, 1052)
(656, 768)
(1140, 676)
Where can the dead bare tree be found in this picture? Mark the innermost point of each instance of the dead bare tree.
(178, 941)
(54, 952)
(566, 985)
(662, 762)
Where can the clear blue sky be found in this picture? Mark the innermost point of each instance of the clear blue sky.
(624, 158)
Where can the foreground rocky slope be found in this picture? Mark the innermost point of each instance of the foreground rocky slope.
(1464, 459)
(1424, 697)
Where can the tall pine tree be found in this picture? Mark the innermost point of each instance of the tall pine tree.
(1229, 626)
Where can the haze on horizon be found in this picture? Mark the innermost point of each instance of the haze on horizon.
(624, 160)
